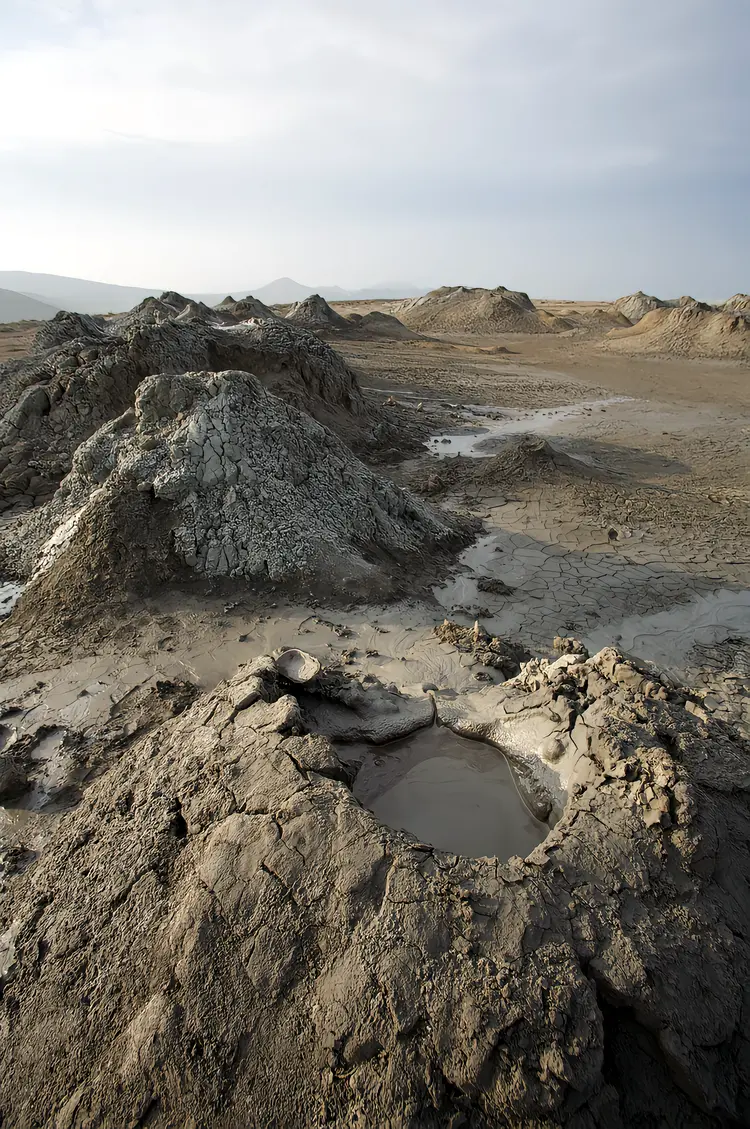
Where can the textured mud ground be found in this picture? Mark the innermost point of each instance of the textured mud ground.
(220, 930)
(199, 923)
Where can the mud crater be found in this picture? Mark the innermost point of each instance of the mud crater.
(455, 794)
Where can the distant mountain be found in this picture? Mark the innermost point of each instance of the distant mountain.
(390, 290)
(282, 290)
(79, 294)
(87, 297)
(20, 307)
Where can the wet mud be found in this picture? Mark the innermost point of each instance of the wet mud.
(455, 794)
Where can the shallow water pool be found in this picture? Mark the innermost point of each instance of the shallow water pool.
(454, 794)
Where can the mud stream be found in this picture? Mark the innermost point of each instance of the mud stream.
(454, 794)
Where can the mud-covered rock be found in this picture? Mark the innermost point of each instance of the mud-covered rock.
(501, 654)
(220, 934)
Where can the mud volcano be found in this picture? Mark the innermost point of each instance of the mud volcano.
(221, 929)
(212, 476)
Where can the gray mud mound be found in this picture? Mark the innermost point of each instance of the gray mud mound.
(462, 309)
(221, 935)
(213, 475)
(314, 313)
(154, 311)
(637, 305)
(378, 324)
(528, 458)
(66, 326)
(89, 370)
(599, 319)
(245, 308)
(693, 330)
(737, 304)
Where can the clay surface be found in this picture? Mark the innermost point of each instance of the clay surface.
(220, 887)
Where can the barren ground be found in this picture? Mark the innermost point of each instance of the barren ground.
(615, 502)
(655, 522)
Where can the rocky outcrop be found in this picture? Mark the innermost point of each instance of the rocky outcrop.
(54, 400)
(211, 473)
(220, 934)
(463, 309)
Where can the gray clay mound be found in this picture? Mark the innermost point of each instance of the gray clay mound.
(635, 306)
(246, 308)
(528, 458)
(737, 304)
(600, 319)
(213, 476)
(220, 934)
(314, 313)
(86, 371)
(694, 330)
(378, 324)
(67, 326)
(461, 309)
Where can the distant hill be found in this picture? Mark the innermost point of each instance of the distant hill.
(285, 290)
(79, 294)
(20, 307)
(88, 297)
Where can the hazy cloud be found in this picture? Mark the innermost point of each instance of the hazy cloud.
(583, 147)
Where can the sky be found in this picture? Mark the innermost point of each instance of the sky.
(574, 150)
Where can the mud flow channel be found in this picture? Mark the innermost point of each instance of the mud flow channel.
(457, 795)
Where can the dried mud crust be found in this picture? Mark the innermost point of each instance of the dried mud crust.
(221, 935)
(463, 309)
(85, 371)
(211, 475)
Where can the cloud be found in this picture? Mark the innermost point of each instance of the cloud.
(344, 122)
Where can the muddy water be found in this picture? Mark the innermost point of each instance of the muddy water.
(668, 638)
(486, 427)
(454, 794)
(555, 590)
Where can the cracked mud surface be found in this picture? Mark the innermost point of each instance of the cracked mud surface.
(221, 880)
(200, 922)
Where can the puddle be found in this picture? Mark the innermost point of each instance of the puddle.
(456, 795)
(10, 594)
(668, 638)
(519, 587)
(480, 440)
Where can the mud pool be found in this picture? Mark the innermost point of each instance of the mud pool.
(454, 794)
